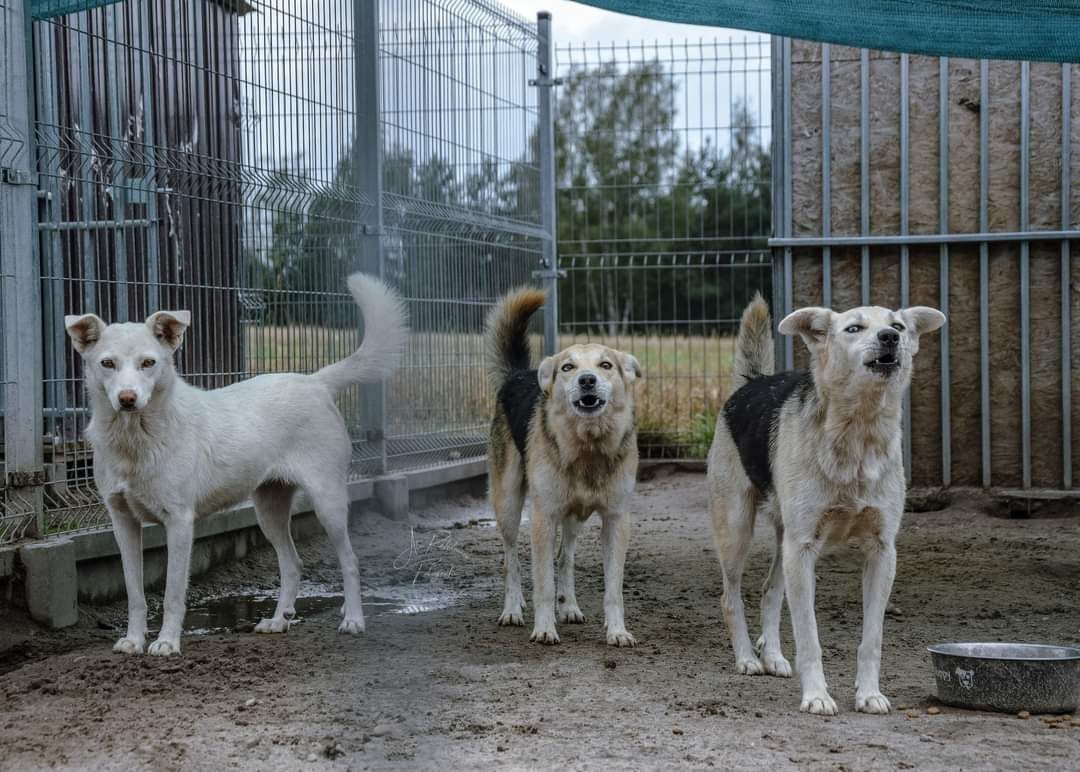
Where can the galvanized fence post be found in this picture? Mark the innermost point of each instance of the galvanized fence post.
(781, 198)
(368, 171)
(20, 279)
(544, 82)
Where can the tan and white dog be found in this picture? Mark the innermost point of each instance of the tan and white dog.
(819, 453)
(168, 452)
(565, 435)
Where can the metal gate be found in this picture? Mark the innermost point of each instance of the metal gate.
(664, 210)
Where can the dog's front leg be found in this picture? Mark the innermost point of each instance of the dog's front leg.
(179, 534)
(799, 560)
(878, 575)
(128, 532)
(615, 533)
(568, 609)
(544, 525)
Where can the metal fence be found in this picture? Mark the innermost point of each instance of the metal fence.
(909, 179)
(239, 159)
(664, 211)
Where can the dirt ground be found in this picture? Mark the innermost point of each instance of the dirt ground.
(431, 687)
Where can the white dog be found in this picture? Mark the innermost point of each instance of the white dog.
(168, 452)
(819, 452)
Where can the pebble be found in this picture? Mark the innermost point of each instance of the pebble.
(1050, 719)
(382, 730)
(251, 703)
(933, 711)
(676, 730)
(312, 757)
(1023, 714)
(1075, 722)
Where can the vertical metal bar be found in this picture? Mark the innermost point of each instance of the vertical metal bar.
(826, 181)
(368, 167)
(20, 277)
(789, 344)
(118, 167)
(779, 144)
(943, 281)
(545, 82)
(1066, 278)
(905, 264)
(1025, 273)
(864, 168)
(984, 266)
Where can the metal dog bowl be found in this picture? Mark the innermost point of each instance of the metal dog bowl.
(1009, 677)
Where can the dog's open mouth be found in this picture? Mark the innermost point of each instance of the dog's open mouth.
(589, 403)
(884, 363)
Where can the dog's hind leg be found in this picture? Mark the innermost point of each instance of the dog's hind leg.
(507, 499)
(272, 509)
(733, 530)
(772, 602)
(179, 535)
(878, 575)
(331, 504)
(567, 609)
(128, 532)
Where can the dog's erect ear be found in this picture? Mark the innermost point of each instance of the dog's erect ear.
(168, 327)
(545, 374)
(631, 368)
(811, 324)
(923, 319)
(84, 330)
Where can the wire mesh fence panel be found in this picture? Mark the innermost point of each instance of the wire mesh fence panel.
(664, 211)
(214, 156)
(460, 206)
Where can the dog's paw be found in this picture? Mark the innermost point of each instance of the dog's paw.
(128, 645)
(549, 636)
(620, 638)
(749, 666)
(776, 665)
(819, 704)
(272, 625)
(872, 702)
(512, 618)
(571, 615)
(351, 626)
(163, 648)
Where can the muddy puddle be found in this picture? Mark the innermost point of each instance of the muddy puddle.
(240, 612)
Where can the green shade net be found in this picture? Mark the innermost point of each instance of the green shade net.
(1044, 30)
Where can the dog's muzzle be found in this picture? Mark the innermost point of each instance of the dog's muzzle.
(589, 396)
(887, 359)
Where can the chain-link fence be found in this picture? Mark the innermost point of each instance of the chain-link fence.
(239, 159)
(664, 201)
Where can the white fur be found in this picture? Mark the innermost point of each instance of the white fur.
(180, 452)
(838, 473)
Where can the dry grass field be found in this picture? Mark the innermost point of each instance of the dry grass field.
(442, 388)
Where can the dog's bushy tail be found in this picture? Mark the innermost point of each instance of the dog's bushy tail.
(386, 329)
(754, 345)
(506, 334)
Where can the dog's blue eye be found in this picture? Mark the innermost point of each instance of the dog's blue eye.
(854, 328)
(898, 327)
(108, 364)
(567, 367)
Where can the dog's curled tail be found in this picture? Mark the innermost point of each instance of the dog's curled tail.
(386, 329)
(754, 345)
(506, 334)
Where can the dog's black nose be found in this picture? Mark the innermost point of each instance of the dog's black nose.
(889, 337)
(587, 381)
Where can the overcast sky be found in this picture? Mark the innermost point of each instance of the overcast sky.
(575, 22)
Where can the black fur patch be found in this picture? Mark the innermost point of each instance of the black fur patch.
(518, 398)
(750, 414)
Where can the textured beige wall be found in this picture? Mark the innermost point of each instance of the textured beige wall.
(963, 189)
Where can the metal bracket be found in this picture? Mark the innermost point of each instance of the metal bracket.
(25, 479)
(9, 176)
(548, 273)
(371, 230)
(374, 435)
(544, 80)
